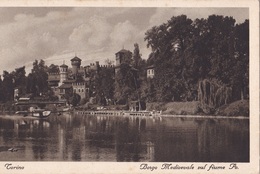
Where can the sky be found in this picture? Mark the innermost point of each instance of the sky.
(56, 35)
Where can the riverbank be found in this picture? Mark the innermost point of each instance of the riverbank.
(237, 108)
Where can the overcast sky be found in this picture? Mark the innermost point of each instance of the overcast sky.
(94, 34)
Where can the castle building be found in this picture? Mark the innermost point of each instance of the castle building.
(95, 82)
(77, 79)
(75, 62)
(122, 56)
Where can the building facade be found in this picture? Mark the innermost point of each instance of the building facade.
(77, 79)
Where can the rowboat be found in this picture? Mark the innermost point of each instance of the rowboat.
(37, 113)
(41, 113)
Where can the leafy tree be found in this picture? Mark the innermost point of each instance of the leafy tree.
(105, 87)
(20, 79)
(31, 84)
(170, 42)
(74, 99)
(8, 86)
(109, 62)
(126, 85)
(240, 75)
(37, 79)
(136, 56)
(185, 52)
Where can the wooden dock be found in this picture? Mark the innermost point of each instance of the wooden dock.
(116, 113)
(38, 102)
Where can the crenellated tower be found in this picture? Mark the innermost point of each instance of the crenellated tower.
(75, 63)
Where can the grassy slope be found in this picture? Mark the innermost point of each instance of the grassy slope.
(179, 108)
(237, 108)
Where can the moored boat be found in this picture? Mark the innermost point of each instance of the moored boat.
(41, 113)
(38, 113)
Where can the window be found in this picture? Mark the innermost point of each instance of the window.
(82, 90)
(79, 90)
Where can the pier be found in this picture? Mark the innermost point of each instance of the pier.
(116, 113)
(39, 102)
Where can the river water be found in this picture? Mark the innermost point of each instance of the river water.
(113, 138)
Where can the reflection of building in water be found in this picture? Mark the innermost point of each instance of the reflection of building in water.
(100, 138)
(150, 151)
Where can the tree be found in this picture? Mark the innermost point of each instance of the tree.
(136, 56)
(105, 87)
(20, 79)
(170, 42)
(38, 80)
(74, 99)
(109, 62)
(185, 52)
(8, 86)
(240, 80)
(126, 86)
(31, 84)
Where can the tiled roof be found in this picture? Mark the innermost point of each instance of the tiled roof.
(123, 51)
(75, 59)
(69, 81)
(65, 86)
(64, 66)
(150, 67)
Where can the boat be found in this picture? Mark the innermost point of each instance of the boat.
(41, 113)
(38, 113)
(65, 109)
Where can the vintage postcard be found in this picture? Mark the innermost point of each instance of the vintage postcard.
(129, 87)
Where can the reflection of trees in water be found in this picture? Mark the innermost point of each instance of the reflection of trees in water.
(128, 140)
(125, 135)
(99, 130)
(223, 140)
(76, 150)
(73, 137)
(202, 140)
(8, 127)
(40, 144)
(174, 141)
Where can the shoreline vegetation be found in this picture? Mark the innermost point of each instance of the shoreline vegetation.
(237, 108)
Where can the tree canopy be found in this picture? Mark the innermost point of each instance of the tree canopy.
(185, 52)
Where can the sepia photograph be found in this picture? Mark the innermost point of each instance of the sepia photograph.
(126, 84)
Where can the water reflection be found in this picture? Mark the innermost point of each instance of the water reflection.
(113, 138)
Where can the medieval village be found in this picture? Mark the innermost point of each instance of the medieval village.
(187, 101)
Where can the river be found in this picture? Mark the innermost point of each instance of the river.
(71, 137)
